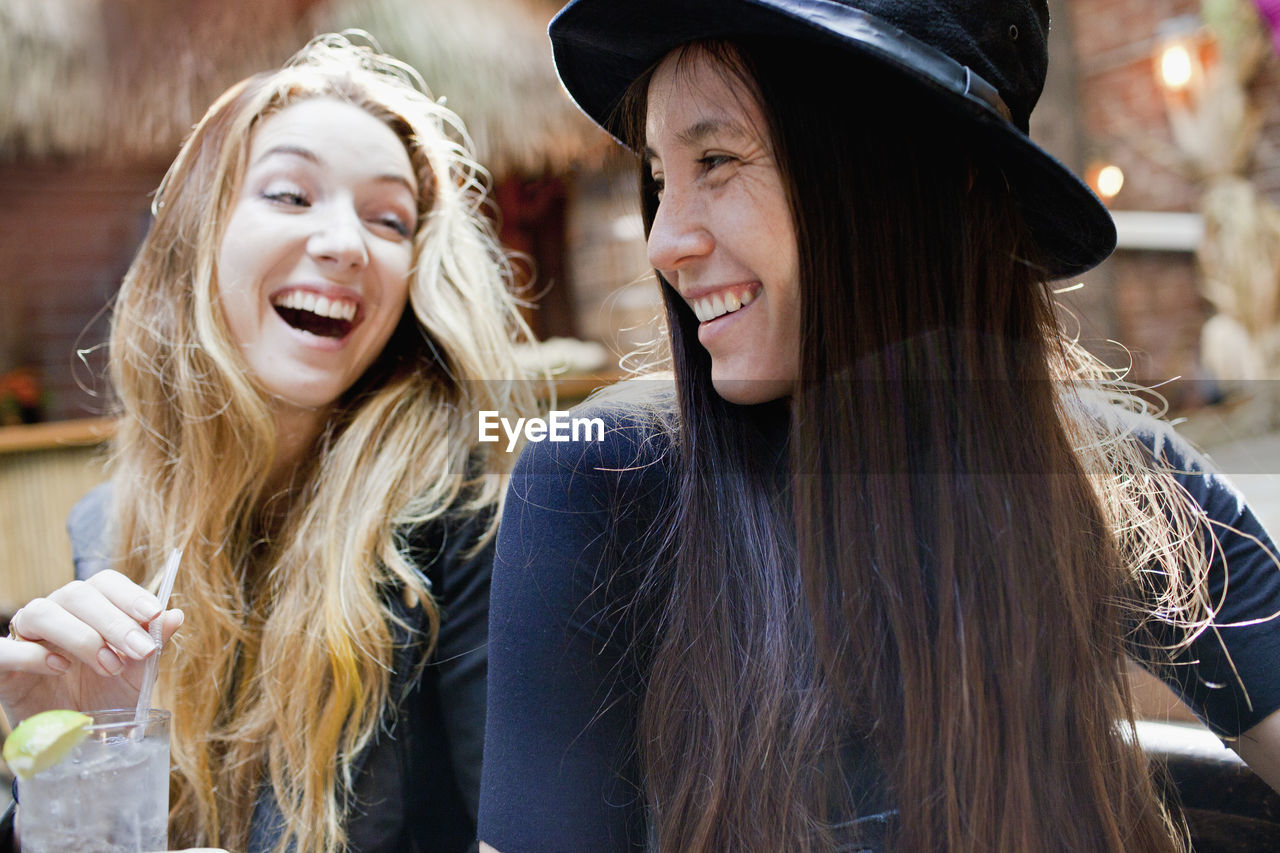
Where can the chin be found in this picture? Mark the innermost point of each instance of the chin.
(752, 392)
(307, 400)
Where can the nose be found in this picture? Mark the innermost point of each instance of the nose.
(678, 234)
(338, 240)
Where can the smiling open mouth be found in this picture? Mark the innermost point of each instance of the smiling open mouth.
(719, 304)
(319, 315)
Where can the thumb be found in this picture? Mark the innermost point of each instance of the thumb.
(173, 620)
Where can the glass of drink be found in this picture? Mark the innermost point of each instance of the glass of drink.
(109, 795)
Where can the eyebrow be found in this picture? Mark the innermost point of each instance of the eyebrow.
(310, 156)
(699, 131)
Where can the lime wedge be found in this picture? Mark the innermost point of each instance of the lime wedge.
(42, 740)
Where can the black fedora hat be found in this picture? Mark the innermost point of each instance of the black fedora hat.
(985, 59)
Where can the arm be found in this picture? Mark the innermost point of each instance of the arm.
(558, 769)
(1227, 675)
(460, 661)
(1260, 749)
(422, 782)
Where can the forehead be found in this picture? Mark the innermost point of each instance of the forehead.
(336, 134)
(693, 94)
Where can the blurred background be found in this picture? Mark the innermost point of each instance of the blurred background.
(1169, 108)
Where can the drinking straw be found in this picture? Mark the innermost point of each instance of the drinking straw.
(157, 625)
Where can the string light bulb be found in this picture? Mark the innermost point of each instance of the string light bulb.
(1176, 67)
(1183, 48)
(1110, 181)
(1105, 179)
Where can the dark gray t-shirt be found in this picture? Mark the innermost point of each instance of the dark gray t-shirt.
(560, 770)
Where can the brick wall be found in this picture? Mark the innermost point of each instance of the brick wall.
(1266, 92)
(1148, 300)
(615, 296)
(1122, 109)
(67, 234)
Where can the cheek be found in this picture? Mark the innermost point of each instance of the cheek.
(399, 282)
(393, 302)
(783, 232)
(761, 218)
(787, 319)
(394, 262)
(238, 257)
(231, 285)
(396, 290)
(239, 310)
(786, 272)
(398, 273)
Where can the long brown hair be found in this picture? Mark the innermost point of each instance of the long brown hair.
(926, 563)
(281, 675)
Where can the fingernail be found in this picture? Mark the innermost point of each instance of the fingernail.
(146, 607)
(110, 662)
(139, 643)
(182, 617)
(57, 663)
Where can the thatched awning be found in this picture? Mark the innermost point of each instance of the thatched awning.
(124, 80)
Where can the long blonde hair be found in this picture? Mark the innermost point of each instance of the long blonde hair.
(282, 670)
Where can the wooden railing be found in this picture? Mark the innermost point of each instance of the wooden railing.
(44, 470)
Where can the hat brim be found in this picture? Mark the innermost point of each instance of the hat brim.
(602, 46)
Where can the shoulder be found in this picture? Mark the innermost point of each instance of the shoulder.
(581, 515)
(1119, 419)
(1162, 449)
(624, 427)
(1202, 496)
(627, 453)
(87, 525)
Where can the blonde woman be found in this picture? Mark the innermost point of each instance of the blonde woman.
(298, 350)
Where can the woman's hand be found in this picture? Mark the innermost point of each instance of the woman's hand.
(82, 647)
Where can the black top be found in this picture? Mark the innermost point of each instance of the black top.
(417, 786)
(560, 771)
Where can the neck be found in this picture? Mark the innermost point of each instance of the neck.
(296, 434)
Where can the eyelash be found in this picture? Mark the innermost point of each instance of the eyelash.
(708, 163)
(289, 197)
(395, 224)
(297, 199)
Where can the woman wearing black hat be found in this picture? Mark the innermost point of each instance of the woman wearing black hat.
(868, 578)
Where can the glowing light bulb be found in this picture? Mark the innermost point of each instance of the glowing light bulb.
(1110, 181)
(1175, 66)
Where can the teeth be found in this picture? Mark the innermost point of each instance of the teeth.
(337, 309)
(719, 304)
